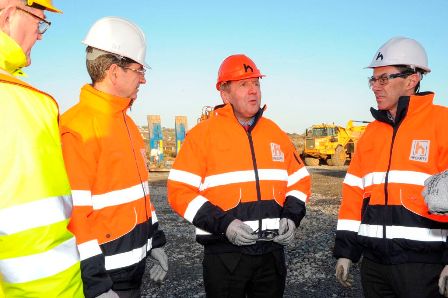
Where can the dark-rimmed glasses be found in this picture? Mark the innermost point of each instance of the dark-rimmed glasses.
(43, 23)
(384, 78)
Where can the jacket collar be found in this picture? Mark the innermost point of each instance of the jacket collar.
(407, 105)
(226, 110)
(103, 102)
(12, 57)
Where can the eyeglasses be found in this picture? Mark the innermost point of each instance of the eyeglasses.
(384, 78)
(140, 71)
(43, 23)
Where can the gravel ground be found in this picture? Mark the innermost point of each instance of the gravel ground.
(309, 260)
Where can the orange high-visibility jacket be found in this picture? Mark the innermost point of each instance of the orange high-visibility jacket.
(383, 214)
(113, 219)
(223, 172)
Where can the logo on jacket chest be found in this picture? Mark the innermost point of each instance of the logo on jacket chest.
(277, 153)
(420, 150)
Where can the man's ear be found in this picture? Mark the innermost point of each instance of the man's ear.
(225, 96)
(112, 73)
(5, 16)
(413, 80)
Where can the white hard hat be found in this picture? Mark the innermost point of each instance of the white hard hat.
(118, 36)
(401, 51)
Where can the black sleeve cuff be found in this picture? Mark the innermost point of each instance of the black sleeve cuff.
(212, 219)
(94, 276)
(294, 209)
(346, 246)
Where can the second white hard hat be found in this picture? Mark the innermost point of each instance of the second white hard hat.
(118, 36)
(401, 51)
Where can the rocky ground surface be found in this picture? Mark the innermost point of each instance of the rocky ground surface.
(309, 260)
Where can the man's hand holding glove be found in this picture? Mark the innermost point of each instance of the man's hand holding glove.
(160, 268)
(342, 272)
(436, 193)
(240, 233)
(285, 232)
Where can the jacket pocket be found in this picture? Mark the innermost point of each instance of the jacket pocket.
(114, 222)
(274, 190)
(226, 196)
(365, 204)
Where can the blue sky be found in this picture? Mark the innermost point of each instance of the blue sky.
(312, 52)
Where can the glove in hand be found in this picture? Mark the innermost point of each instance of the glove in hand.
(436, 193)
(285, 232)
(239, 233)
(160, 268)
(443, 282)
(342, 272)
(109, 294)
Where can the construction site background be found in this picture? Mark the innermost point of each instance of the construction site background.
(169, 145)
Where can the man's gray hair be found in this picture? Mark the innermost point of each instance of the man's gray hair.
(99, 61)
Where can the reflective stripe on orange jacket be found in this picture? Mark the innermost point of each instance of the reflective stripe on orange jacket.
(383, 213)
(113, 219)
(223, 172)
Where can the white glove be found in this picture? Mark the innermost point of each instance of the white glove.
(342, 270)
(160, 268)
(443, 282)
(109, 294)
(436, 193)
(239, 233)
(285, 232)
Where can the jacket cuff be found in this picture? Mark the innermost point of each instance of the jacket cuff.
(158, 239)
(346, 246)
(212, 219)
(293, 209)
(95, 279)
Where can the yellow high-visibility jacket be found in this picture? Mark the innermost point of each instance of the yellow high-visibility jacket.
(38, 255)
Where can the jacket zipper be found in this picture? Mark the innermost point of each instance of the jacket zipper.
(386, 181)
(136, 164)
(257, 179)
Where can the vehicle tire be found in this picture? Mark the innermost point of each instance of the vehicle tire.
(339, 157)
(311, 161)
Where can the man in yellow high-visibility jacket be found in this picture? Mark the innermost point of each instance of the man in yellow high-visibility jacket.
(38, 255)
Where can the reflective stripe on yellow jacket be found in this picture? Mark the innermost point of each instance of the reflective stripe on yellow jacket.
(38, 255)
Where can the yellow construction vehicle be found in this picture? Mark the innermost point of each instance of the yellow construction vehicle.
(331, 143)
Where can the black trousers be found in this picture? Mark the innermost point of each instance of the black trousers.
(411, 280)
(238, 275)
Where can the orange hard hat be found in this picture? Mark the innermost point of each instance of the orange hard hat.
(237, 67)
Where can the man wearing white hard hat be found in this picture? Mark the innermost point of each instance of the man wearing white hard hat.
(113, 219)
(383, 216)
(38, 255)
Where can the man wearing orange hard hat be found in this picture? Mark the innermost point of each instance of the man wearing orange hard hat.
(38, 255)
(241, 183)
